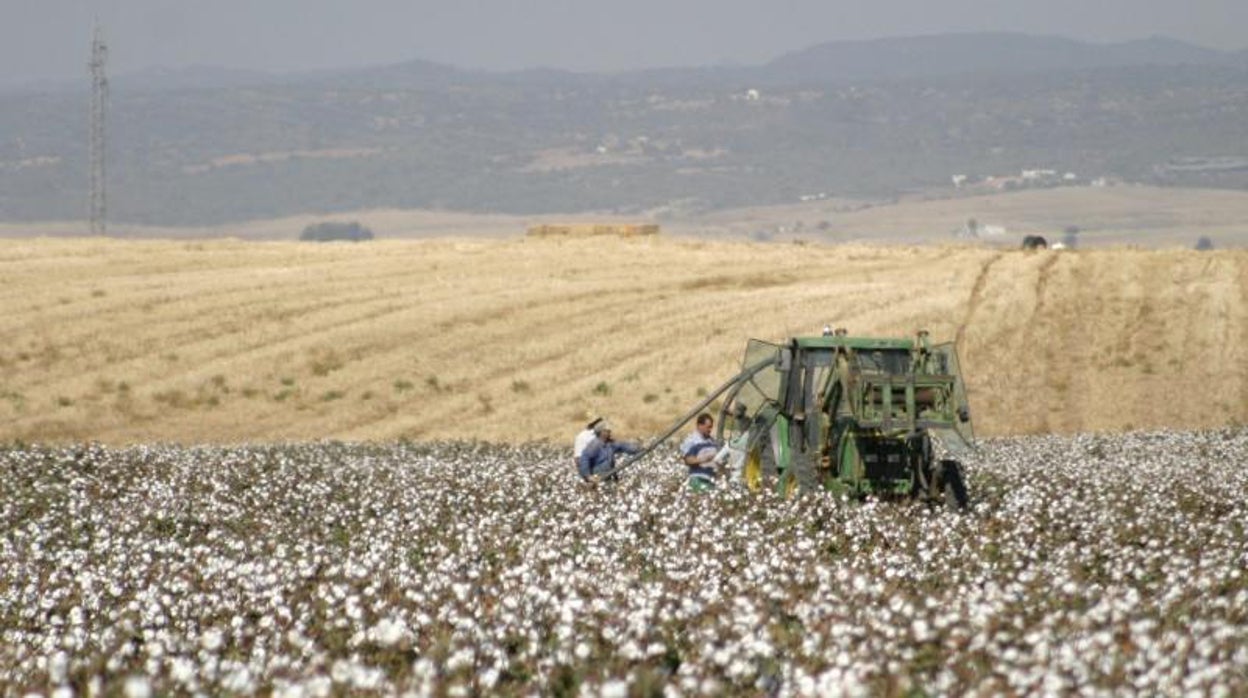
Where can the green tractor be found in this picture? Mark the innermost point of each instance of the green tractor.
(854, 415)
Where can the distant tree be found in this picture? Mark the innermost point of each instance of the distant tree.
(972, 227)
(334, 230)
(1204, 244)
(1035, 242)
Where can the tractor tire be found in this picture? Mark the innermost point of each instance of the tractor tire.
(800, 476)
(805, 472)
(952, 485)
(922, 472)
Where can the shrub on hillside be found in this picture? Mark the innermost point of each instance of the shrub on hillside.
(1204, 243)
(333, 230)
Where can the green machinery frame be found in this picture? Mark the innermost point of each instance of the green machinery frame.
(856, 415)
(850, 414)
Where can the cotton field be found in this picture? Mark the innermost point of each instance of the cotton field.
(1091, 564)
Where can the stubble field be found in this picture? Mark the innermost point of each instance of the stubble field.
(521, 340)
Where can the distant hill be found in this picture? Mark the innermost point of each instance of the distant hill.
(416, 74)
(194, 77)
(900, 58)
(979, 54)
(867, 119)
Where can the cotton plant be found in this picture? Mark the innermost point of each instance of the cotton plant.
(1087, 564)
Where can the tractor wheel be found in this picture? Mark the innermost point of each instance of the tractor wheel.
(752, 472)
(787, 484)
(805, 473)
(952, 485)
(800, 476)
(922, 472)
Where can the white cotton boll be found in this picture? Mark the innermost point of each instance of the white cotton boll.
(365, 678)
(614, 689)
(57, 666)
(238, 681)
(632, 651)
(460, 590)
(921, 630)
(319, 687)
(389, 631)
(340, 672)
(424, 668)
(212, 640)
(182, 670)
(461, 659)
(489, 677)
(137, 687)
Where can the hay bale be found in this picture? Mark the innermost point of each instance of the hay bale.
(626, 230)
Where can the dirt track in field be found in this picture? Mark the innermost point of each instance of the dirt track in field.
(522, 339)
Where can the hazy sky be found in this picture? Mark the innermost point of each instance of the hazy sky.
(50, 38)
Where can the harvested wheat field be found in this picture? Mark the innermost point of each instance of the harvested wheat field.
(518, 340)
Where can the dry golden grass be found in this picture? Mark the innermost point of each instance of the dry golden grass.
(522, 339)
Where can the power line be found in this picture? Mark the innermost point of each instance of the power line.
(99, 106)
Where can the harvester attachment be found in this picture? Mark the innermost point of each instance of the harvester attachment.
(859, 416)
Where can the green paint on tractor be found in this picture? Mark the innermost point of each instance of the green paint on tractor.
(852, 415)
(856, 415)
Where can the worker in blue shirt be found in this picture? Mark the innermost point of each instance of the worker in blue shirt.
(598, 457)
(698, 452)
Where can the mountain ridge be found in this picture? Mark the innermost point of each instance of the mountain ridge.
(981, 53)
(885, 58)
